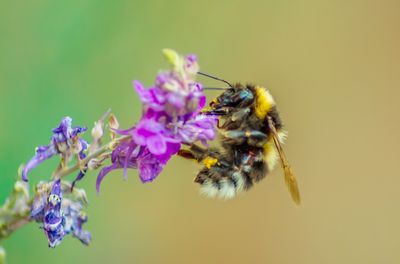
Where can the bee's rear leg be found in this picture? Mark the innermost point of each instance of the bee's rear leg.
(187, 154)
(198, 153)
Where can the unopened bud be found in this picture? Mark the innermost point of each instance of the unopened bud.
(93, 164)
(80, 195)
(113, 122)
(97, 130)
(76, 147)
(172, 57)
(21, 187)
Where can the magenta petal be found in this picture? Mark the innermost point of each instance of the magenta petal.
(103, 173)
(149, 167)
(176, 100)
(156, 144)
(202, 102)
(140, 134)
(127, 158)
(124, 131)
(148, 172)
(172, 149)
(144, 94)
(158, 95)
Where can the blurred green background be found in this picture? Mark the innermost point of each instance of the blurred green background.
(333, 67)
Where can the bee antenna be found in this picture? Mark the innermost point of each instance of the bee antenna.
(215, 78)
(214, 88)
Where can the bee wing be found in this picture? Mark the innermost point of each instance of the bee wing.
(290, 179)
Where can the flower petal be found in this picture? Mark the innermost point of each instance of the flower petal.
(42, 153)
(143, 93)
(103, 173)
(156, 144)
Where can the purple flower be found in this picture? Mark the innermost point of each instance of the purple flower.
(74, 218)
(171, 117)
(52, 216)
(132, 156)
(155, 137)
(64, 141)
(201, 128)
(59, 216)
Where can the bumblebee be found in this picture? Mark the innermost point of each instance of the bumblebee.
(251, 138)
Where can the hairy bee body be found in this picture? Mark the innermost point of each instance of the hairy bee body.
(247, 152)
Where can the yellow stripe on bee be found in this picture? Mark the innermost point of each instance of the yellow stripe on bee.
(209, 162)
(264, 102)
(270, 154)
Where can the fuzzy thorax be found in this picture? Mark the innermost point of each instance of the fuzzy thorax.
(264, 102)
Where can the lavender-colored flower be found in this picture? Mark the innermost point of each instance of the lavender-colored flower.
(132, 156)
(59, 216)
(53, 216)
(171, 117)
(200, 128)
(40, 201)
(64, 141)
(74, 218)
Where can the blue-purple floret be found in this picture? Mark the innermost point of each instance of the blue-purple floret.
(171, 117)
(65, 141)
(59, 216)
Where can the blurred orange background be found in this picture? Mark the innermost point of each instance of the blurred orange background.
(332, 66)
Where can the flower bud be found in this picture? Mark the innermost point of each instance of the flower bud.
(77, 147)
(172, 57)
(21, 187)
(113, 122)
(97, 130)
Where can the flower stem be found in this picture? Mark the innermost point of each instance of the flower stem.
(10, 226)
(68, 170)
(15, 212)
(2, 255)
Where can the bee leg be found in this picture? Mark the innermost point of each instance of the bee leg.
(230, 175)
(252, 137)
(187, 154)
(195, 152)
(235, 119)
(217, 112)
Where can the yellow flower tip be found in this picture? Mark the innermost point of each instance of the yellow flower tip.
(209, 162)
(172, 56)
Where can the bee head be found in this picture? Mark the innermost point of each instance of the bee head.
(237, 96)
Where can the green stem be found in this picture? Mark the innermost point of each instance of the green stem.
(111, 145)
(2, 255)
(13, 224)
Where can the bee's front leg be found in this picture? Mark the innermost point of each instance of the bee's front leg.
(216, 112)
(252, 137)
